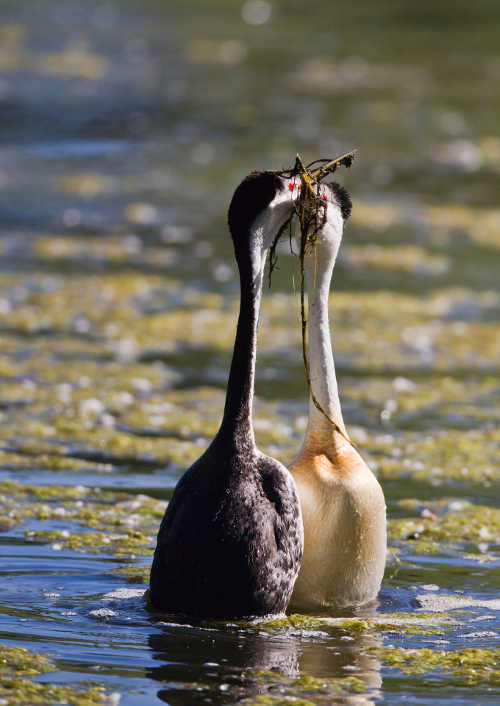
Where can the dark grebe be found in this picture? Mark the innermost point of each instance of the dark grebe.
(231, 540)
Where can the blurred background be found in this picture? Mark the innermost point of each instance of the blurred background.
(125, 127)
(139, 119)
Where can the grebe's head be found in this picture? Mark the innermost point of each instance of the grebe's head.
(338, 210)
(263, 201)
(260, 206)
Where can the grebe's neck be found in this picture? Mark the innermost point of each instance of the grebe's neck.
(237, 428)
(318, 268)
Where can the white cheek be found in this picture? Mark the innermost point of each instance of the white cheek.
(330, 235)
(283, 200)
(334, 226)
(267, 225)
(278, 211)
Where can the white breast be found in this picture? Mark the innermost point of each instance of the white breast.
(344, 539)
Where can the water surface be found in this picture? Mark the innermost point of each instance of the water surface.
(124, 129)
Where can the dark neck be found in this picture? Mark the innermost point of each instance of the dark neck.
(236, 427)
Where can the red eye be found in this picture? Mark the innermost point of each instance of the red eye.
(290, 186)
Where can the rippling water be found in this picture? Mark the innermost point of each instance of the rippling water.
(124, 128)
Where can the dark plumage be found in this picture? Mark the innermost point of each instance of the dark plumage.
(231, 540)
(228, 545)
(342, 198)
(251, 197)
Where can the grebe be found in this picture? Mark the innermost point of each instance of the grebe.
(343, 506)
(231, 540)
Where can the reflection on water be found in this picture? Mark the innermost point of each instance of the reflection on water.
(237, 664)
(209, 660)
(124, 128)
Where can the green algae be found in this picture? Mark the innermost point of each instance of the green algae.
(444, 523)
(308, 683)
(21, 692)
(132, 573)
(135, 416)
(470, 667)
(299, 621)
(122, 424)
(418, 399)
(87, 185)
(297, 690)
(17, 663)
(120, 524)
(122, 308)
(466, 457)
(404, 258)
(480, 225)
(75, 60)
(44, 492)
(277, 701)
(421, 623)
(129, 543)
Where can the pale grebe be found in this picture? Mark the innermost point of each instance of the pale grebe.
(343, 506)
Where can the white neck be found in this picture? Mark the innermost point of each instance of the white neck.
(318, 266)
